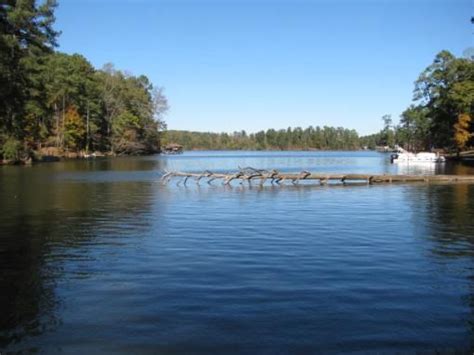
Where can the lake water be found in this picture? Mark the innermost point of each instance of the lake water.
(98, 256)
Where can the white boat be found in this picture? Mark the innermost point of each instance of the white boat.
(403, 156)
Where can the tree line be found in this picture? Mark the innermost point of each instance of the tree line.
(55, 100)
(324, 138)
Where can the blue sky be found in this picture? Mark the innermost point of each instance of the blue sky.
(230, 65)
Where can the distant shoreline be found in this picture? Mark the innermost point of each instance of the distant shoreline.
(279, 150)
(69, 156)
(36, 157)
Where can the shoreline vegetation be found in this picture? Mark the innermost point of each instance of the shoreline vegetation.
(311, 138)
(56, 105)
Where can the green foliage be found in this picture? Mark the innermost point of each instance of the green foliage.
(51, 98)
(11, 149)
(370, 141)
(445, 89)
(414, 129)
(388, 133)
(310, 138)
(133, 111)
(26, 36)
(125, 120)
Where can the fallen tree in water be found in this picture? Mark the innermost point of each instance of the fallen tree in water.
(261, 176)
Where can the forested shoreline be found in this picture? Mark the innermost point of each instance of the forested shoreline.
(317, 138)
(58, 104)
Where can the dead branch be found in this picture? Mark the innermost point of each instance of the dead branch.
(250, 174)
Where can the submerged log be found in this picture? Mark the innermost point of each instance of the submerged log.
(275, 177)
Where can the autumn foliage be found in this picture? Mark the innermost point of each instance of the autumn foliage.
(74, 128)
(462, 132)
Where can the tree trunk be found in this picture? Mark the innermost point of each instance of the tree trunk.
(87, 129)
(56, 113)
(63, 123)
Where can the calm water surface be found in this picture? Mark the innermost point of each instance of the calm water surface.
(97, 256)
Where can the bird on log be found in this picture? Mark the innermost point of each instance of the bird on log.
(261, 176)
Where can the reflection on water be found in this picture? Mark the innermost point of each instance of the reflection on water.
(420, 169)
(46, 219)
(97, 255)
(449, 215)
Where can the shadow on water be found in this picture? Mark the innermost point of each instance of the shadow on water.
(54, 213)
(446, 218)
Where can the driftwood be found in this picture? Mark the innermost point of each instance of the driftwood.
(261, 176)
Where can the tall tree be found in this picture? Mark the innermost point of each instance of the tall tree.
(446, 90)
(26, 35)
(414, 131)
(388, 134)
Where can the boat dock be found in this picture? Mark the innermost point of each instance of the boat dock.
(467, 155)
(262, 176)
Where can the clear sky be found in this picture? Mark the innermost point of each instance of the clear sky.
(230, 65)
